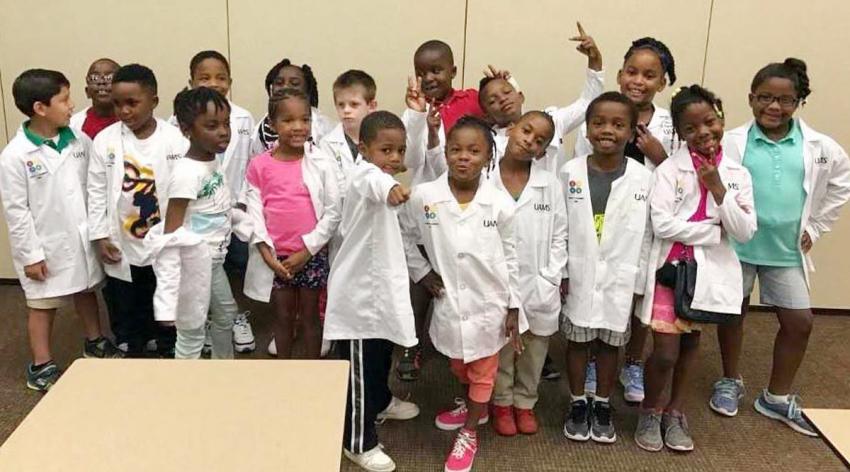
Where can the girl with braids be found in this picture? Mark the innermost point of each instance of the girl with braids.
(700, 201)
(466, 226)
(801, 178)
(648, 67)
(199, 200)
(282, 75)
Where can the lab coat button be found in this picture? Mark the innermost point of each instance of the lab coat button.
(460, 256)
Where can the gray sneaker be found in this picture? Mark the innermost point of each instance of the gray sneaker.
(101, 348)
(648, 432)
(42, 379)
(577, 425)
(602, 423)
(727, 393)
(790, 413)
(676, 434)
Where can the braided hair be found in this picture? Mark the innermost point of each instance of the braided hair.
(473, 122)
(189, 104)
(288, 93)
(792, 69)
(311, 89)
(661, 50)
(687, 96)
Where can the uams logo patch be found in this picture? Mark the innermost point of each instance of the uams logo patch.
(243, 131)
(575, 190)
(431, 215)
(78, 154)
(542, 207)
(173, 157)
(490, 223)
(35, 168)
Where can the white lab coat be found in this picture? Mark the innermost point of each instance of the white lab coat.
(78, 119)
(423, 164)
(540, 230)
(44, 200)
(183, 268)
(660, 126)
(319, 174)
(321, 125)
(566, 120)
(335, 145)
(605, 274)
(106, 175)
(474, 252)
(368, 287)
(235, 158)
(826, 181)
(674, 199)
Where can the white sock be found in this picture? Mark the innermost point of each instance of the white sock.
(601, 399)
(775, 399)
(578, 398)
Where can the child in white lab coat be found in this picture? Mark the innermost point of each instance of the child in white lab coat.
(648, 68)
(93, 119)
(293, 202)
(609, 237)
(467, 228)
(43, 188)
(700, 199)
(367, 323)
(541, 238)
(199, 199)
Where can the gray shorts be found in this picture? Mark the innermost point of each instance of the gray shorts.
(783, 287)
(580, 334)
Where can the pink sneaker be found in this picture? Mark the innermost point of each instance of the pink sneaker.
(455, 419)
(463, 452)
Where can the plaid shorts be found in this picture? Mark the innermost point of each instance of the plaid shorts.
(314, 275)
(580, 334)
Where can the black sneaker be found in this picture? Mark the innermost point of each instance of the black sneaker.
(602, 423)
(409, 364)
(42, 379)
(577, 426)
(101, 348)
(549, 372)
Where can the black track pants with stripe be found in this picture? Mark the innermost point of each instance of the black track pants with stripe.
(368, 390)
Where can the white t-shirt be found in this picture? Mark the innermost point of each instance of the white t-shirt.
(138, 207)
(208, 213)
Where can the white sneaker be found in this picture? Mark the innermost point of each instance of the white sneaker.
(326, 348)
(123, 347)
(375, 460)
(272, 348)
(207, 349)
(399, 409)
(243, 335)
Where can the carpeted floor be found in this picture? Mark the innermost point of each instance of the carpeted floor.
(746, 442)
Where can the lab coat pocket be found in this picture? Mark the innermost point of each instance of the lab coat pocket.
(57, 252)
(625, 288)
(547, 297)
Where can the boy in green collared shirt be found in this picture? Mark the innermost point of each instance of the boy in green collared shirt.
(43, 189)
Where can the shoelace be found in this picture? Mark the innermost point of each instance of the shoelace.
(578, 413)
(241, 319)
(653, 422)
(463, 442)
(635, 374)
(727, 388)
(794, 411)
(602, 412)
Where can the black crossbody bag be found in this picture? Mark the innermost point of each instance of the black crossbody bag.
(682, 278)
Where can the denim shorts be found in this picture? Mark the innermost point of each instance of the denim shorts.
(782, 287)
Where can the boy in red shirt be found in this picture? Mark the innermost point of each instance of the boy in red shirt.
(101, 113)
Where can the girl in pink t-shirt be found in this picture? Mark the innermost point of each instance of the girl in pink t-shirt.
(299, 197)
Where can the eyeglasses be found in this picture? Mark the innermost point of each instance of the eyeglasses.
(95, 79)
(785, 101)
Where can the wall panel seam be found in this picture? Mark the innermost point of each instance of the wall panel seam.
(707, 40)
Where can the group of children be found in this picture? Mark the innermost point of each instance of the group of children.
(501, 239)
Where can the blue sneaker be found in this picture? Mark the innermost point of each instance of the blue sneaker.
(727, 393)
(790, 413)
(631, 377)
(590, 379)
(42, 379)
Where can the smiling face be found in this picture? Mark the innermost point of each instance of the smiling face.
(436, 69)
(767, 103)
(501, 102)
(701, 128)
(99, 83)
(641, 77)
(528, 139)
(386, 150)
(292, 121)
(467, 152)
(211, 130)
(609, 128)
(211, 73)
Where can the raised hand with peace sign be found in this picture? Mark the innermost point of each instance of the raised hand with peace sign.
(414, 98)
(587, 46)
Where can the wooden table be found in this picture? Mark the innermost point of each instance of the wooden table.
(187, 416)
(834, 426)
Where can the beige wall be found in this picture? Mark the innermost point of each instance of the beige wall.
(380, 36)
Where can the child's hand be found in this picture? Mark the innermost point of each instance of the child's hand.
(495, 73)
(806, 242)
(296, 262)
(434, 283)
(415, 99)
(587, 46)
(709, 177)
(512, 330)
(109, 254)
(37, 271)
(434, 121)
(565, 290)
(280, 271)
(398, 195)
(650, 145)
